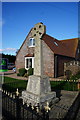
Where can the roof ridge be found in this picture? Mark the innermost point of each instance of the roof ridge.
(51, 37)
(68, 39)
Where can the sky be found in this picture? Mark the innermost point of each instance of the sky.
(60, 18)
(40, 0)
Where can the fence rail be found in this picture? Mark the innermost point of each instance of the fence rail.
(13, 108)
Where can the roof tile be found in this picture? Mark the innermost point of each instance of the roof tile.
(62, 47)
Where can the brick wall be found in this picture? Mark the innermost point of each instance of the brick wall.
(73, 66)
(60, 61)
(48, 60)
(20, 58)
(48, 57)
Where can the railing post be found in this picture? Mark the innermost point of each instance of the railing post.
(78, 85)
(47, 109)
(18, 106)
(43, 111)
(47, 115)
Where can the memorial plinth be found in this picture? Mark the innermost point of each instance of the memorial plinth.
(38, 87)
(38, 90)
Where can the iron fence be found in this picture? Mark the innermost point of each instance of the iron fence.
(13, 108)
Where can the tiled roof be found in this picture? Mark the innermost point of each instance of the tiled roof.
(71, 45)
(62, 47)
(29, 55)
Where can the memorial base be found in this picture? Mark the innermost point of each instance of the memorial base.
(38, 90)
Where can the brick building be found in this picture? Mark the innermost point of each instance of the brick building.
(55, 54)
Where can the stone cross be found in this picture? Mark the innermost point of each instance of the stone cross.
(37, 33)
(38, 88)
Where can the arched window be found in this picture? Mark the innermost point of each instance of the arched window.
(31, 42)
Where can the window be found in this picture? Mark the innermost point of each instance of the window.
(78, 50)
(31, 42)
(29, 62)
(55, 43)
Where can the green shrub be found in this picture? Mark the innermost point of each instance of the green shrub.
(25, 75)
(30, 71)
(18, 74)
(22, 71)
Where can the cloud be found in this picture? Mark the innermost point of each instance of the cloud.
(8, 49)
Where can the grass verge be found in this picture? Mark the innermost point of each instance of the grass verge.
(11, 84)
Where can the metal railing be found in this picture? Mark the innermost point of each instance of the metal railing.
(13, 108)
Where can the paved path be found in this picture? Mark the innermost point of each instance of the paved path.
(14, 75)
(11, 74)
(60, 109)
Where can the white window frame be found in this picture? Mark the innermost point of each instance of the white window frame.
(78, 50)
(32, 62)
(31, 42)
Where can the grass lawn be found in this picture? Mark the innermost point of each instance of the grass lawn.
(10, 80)
(63, 85)
(11, 84)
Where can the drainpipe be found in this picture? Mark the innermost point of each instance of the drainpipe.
(56, 68)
